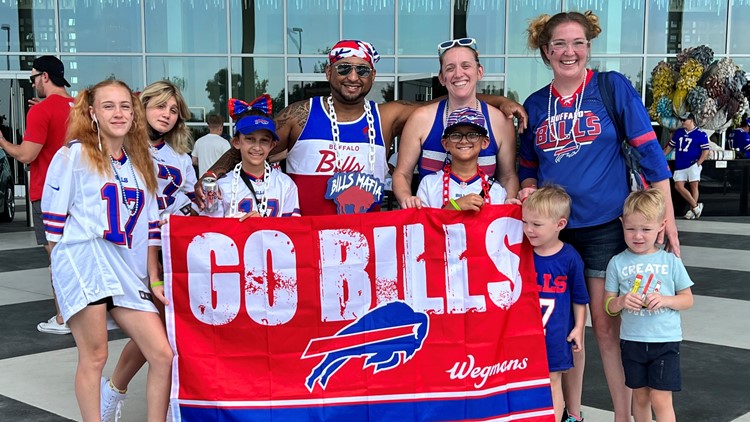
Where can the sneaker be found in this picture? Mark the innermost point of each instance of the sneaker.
(52, 327)
(569, 418)
(690, 215)
(111, 402)
(698, 210)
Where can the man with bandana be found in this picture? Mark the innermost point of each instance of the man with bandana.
(337, 145)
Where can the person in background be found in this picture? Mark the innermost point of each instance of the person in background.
(562, 287)
(739, 139)
(46, 123)
(647, 288)
(102, 222)
(572, 142)
(691, 151)
(208, 148)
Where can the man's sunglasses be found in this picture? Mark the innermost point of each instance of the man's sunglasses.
(32, 78)
(362, 70)
(462, 42)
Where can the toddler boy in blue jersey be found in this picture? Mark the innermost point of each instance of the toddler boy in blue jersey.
(691, 145)
(461, 184)
(648, 287)
(255, 188)
(561, 283)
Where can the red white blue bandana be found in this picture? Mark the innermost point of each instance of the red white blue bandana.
(353, 48)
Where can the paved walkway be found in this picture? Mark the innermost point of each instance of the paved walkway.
(36, 370)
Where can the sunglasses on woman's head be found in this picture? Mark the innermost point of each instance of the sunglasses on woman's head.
(462, 42)
(362, 70)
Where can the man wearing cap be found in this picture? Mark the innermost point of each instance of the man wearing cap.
(692, 149)
(46, 124)
(462, 185)
(329, 138)
(739, 139)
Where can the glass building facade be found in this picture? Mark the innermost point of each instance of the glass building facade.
(217, 49)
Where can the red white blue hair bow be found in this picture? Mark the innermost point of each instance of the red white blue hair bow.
(262, 103)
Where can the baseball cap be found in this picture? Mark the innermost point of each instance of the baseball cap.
(54, 68)
(466, 116)
(250, 124)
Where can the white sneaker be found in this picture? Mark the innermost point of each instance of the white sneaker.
(111, 401)
(698, 210)
(690, 215)
(52, 327)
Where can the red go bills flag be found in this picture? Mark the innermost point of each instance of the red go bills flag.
(413, 315)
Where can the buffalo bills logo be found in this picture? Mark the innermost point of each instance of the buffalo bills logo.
(354, 192)
(570, 149)
(387, 336)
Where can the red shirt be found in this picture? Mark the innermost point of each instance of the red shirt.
(46, 124)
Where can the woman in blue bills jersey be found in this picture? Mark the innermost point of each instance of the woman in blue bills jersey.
(571, 141)
(101, 218)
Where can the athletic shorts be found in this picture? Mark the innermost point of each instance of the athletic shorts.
(596, 245)
(105, 300)
(653, 365)
(690, 174)
(36, 214)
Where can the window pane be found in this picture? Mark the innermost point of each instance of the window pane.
(31, 26)
(519, 14)
(257, 76)
(318, 24)
(100, 26)
(422, 25)
(482, 23)
(203, 81)
(174, 26)
(738, 37)
(373, 22)
(621, 21)
(675, 25)
(84, 71)
(525, 76)
(258, 29)
(419, 65)
(628, 66)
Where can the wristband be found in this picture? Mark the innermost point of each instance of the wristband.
(157, 283)
(606, 308)
(455, 205)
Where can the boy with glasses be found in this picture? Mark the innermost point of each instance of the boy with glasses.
(461, 184)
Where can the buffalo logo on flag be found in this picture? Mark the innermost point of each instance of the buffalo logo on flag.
(388, 336)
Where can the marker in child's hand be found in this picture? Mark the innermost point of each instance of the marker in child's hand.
(645, 289)
(637, 283)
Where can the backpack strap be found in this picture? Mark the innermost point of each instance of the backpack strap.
(608, 98)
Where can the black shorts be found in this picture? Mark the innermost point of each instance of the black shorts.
(596, 245)
(105, 300)
(653, 365)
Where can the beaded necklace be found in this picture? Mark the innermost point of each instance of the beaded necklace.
(551, 126)
(446, 185)
(132, 209)
(170, 178)
(337, 140)
(262, 204)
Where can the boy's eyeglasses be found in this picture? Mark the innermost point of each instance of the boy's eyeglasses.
(562, 45)
(363, 70)
(463, 42)
(32, 78)
(456, 137)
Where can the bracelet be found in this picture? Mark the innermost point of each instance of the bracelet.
(157, 283)
(606, 308)
(455, 205)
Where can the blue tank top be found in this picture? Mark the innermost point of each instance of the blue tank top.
(434, 156)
